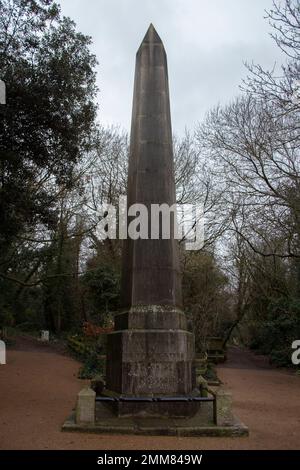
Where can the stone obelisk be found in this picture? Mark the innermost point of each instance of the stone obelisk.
(150, 353)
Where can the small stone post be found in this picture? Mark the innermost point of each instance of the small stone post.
(85, 408)
(224, 415)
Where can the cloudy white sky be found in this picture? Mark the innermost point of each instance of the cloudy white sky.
(207, 42)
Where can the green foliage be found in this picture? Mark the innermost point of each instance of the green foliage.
(205, 296)
(93, 365)
(31, 319)
(274, 334)
(61, 288)
(6, 317)
(103, 291)
(211, 373)
(46, 127)
(90, 353)
(78, 346)
(47, 122)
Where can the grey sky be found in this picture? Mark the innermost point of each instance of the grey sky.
(206, 41)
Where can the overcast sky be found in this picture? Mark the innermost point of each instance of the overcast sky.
(207, 42)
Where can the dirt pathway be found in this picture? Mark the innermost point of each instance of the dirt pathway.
(38, 387)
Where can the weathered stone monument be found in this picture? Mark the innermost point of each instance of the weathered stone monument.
(151, 352)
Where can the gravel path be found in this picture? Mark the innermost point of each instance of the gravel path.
(38, 387)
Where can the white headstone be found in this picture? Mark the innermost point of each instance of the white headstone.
(2, 92)
(45, 335)
(2, 353)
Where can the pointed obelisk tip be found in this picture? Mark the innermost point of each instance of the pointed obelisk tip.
(151, 35)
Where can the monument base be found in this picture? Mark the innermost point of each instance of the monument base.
(212, 418)
(150, 353)
(156, 409)
(201, 424)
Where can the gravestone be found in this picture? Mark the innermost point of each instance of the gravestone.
(45, 336)
(151, 351)
(2, 352)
